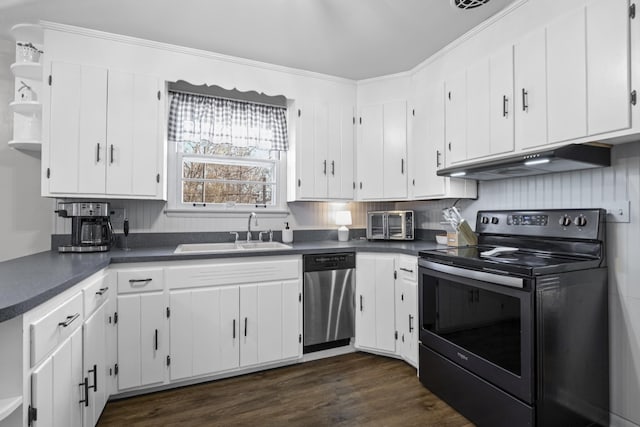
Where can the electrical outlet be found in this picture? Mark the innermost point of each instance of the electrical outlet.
(617, 211)
(117, 216)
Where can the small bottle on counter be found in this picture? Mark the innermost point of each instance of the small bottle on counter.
(287, 234)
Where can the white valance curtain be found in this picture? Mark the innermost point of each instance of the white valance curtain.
(209, 120)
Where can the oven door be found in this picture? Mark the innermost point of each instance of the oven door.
(377, 225)
(481, 321)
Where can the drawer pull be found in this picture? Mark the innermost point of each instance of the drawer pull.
(406, 269)
(139, 282)
(155, 341)
(102, 291)
(68, 320)
(410, 323)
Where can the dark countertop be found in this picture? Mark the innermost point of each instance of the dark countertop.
(31, 280)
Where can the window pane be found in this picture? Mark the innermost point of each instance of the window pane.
(193, 170)
(218, 192)
(192, 192)
(227, 150)
(238, 172)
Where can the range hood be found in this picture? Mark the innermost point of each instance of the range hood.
(568, 158)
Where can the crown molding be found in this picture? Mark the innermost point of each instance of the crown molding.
(135, 41)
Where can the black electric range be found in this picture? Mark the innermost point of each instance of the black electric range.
(514, 331)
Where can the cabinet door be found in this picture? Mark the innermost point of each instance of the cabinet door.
(203, 331)
(384, 300)
(366, 301)
(94, 361)
(77, 130)
(141, 356)
(305, 150)
(395, 150)
(456, 118)
(133, 135)
(320, 145)
(340, 152)
(478, 138)
(410, 353)
(502, 106)
(58, 386)
(291, 319)
(401, 319)
(530, 69)
(370, 153)
(566, 77)
(608, 81)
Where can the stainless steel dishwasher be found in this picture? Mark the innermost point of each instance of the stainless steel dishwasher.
(329, 300)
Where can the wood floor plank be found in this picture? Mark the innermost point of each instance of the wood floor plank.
(356, 389)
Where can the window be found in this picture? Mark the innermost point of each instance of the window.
(227, 152)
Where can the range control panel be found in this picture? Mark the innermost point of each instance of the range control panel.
(563, 223)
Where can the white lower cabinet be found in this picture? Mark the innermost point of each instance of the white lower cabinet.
(375, 310)
(141, 340)
(386, 305)
(58, 387)
(94, 334)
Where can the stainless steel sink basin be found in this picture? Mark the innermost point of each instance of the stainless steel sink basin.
(193, 248)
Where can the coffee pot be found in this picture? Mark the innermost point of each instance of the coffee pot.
(91, 229)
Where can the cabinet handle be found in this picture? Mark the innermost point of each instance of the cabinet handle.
(98, 153)
(69, 320)
(505, 106)
(410, 323)
(95, 378)
(360, 302)
(245, 326)
(333, 168)
(111, 149)
(155, 340)
(102, 291)
(525, 100)
(234, 329)
(406, 269)
(402, 166)
(85, 385)
(324, 167)
(438, 158)
(134, 282)
(449, 146)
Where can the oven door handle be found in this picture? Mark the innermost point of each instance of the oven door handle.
(499, 279)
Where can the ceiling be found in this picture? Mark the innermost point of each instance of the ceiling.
(355, 39)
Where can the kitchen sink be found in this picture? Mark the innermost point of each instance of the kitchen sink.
(228, 247)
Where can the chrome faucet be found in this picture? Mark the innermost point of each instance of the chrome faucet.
(251, 215)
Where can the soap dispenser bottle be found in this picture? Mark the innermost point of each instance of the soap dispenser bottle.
(287, 234)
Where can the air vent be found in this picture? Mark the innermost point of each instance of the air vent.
(468, 4)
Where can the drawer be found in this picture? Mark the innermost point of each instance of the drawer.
(95, 293)
(408, 268)
(142, 280)
(54, 327)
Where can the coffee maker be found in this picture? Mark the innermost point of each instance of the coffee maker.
(91, 229)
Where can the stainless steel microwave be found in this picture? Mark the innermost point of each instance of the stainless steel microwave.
(390, 225)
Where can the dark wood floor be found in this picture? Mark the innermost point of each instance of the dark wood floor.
(356, 389)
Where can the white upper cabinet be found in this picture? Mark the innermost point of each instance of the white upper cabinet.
(370, 152)
(426, 150)
(502, 108)
(395, 150)
(608, 68)
(324, 145)
(456, 117)
(382, 151)
(478, 112)
(104, 134)
(567, 77)
(530, 72)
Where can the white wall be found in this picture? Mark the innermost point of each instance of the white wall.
(583, 189)
(26, 219)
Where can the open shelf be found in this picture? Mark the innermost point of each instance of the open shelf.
(8, 405)
(28, 32)
(26, 145)
(27, 70)
(26, 107)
